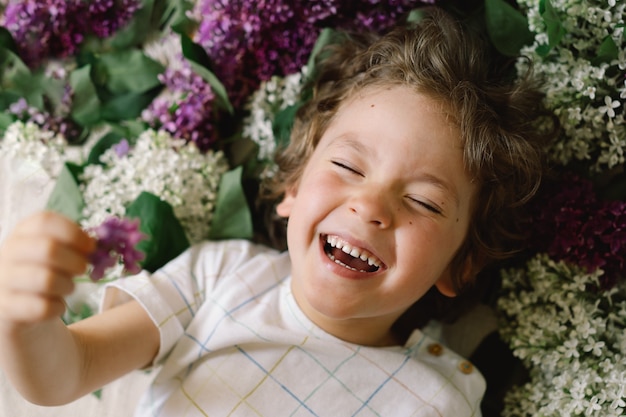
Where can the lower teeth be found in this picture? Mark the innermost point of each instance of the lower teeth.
(338, 262)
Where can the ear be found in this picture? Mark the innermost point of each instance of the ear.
(445, 283)
(445, 286)
(283, 209)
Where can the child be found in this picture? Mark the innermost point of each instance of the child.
(399, 177)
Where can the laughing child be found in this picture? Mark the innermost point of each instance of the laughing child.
(401, 174)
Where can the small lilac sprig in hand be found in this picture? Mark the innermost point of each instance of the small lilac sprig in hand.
(116, 240)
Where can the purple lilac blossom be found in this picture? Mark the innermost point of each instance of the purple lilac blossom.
(250, 41)
(571, 223)
(55, 28)
(121, 148)
(186, 112)
(61, 124)
(116, 239)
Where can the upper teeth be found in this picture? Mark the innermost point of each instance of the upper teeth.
(353, 251)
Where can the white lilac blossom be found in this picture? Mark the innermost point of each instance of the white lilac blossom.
(272, 97)
(165, 49)
(571, 336)
(587, 94)
(29, 142)
(175, 171)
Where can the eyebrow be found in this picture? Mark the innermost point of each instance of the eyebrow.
(348, 140)
(442, 184)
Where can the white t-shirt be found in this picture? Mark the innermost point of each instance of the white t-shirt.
(235, 343)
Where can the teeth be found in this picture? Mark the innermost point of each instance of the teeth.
(338, 262)
(355, 252)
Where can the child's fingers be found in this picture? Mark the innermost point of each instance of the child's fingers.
(39, 280)
(57, 227)
(32, 291)
(45, 252)
(37, 263)
(29, 308)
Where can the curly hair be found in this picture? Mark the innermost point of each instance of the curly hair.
(496, 114)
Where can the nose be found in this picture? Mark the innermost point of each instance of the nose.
(373, 206)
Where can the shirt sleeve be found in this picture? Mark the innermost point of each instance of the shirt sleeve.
(172, 295)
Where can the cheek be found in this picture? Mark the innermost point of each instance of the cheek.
(426, 246)
(319, 190)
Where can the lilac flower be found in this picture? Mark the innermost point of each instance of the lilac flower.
(60, 123)
(571, 223)
(117, 239)
(56, 28)
(250, 41)
(122, 148)
(186, 109)
(105, 17)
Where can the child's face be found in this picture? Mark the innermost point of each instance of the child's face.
(387, 181)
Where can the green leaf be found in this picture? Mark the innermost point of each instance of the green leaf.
(507, 27)
(7, 98)
(53, 89)
(130, 129)
(283, 120)
(232, 218)
(194, 52)
(6, 40)
(166, 237)
(200, 64)
(127, 106)
(108, 140)
(543, 50)
(127, 71)
(175, 16)
(326, 37)
(16, 78)
(5, 121)
(137, 30)
(85, 104)
(607, 52)
(415, 15)
(66, 197)
(283, 123)
(555, 29)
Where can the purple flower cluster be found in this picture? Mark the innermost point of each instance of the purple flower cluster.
(62, 123)
(187, 110)
(116, 239)
(252, 40)
(571, 223)
(56, 28)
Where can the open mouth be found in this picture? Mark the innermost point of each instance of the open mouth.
(350, 257)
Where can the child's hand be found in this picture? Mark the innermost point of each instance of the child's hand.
(37, 264)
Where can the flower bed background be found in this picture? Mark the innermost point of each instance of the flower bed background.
(170, 111)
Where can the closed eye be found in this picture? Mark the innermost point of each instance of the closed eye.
(432, 208)
(347, 167)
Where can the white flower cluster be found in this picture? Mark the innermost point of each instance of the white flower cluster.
(169, 168)
(29, 142)
(570, 335)
(166, 49)
(272, 96)
(587, 95)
